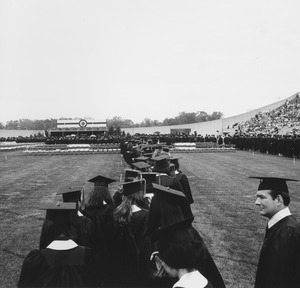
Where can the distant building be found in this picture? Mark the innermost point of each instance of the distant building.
(79, 128)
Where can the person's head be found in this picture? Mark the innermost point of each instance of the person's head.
(99, 195)
(133, 193)
(270, 202)
(179, 249)
(58, 222)
(162, 165)
(272, 195)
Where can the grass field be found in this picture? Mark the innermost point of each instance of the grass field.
(224, 209)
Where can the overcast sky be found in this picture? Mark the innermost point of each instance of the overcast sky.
(145, 59)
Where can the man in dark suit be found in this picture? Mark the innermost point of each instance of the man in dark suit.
(279, 262)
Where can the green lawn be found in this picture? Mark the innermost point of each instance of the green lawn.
(225, 214)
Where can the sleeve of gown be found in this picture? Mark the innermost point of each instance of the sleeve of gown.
(88, 232)
(186, 187)
(32, 270)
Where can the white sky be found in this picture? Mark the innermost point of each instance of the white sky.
(142, 59)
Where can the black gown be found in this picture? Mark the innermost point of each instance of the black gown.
(186, 186)
(76, 267)
(279, 262)
(102, 217)
(126, 251)
(165, 210)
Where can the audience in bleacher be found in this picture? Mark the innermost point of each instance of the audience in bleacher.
(274, 122)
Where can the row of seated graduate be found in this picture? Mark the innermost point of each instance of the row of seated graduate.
(142, 236)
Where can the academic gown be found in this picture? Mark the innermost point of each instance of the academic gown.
(87, 232)
(186, 186)
(279, 262)
(71, 267)
(165, 210)
(102, 217)
(126, 253)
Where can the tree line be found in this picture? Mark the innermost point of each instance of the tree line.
(115, 122)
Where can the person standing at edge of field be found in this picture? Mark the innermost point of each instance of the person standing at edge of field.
(279, 261)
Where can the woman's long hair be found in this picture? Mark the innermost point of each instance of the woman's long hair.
(98, 195)
(123, 213)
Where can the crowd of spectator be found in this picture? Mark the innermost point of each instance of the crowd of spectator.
(286, 117)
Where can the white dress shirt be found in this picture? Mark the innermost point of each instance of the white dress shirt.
(192, 279)
(278, 216)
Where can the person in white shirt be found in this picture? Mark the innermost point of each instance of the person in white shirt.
(279, 262)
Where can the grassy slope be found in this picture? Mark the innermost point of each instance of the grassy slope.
(225, 214)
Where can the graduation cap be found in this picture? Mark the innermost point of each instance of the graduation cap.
(101, 181)
(132, 187)
(150, 177)
(160, 158)
(148, 154)
(58, 206)
(161, 231)
(70, 194)
(167, 207)
(141, 165)
(141, 158)
(130, 173)
(174, 159)
(166, 149)
(273, 183)
(167, 190)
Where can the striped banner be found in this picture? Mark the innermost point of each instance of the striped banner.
(82, 123)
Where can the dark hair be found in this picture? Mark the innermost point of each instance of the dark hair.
(162, 167)
(98, 195)
(57, 224)
(123, 213)
(285, 196)
(180, 249)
